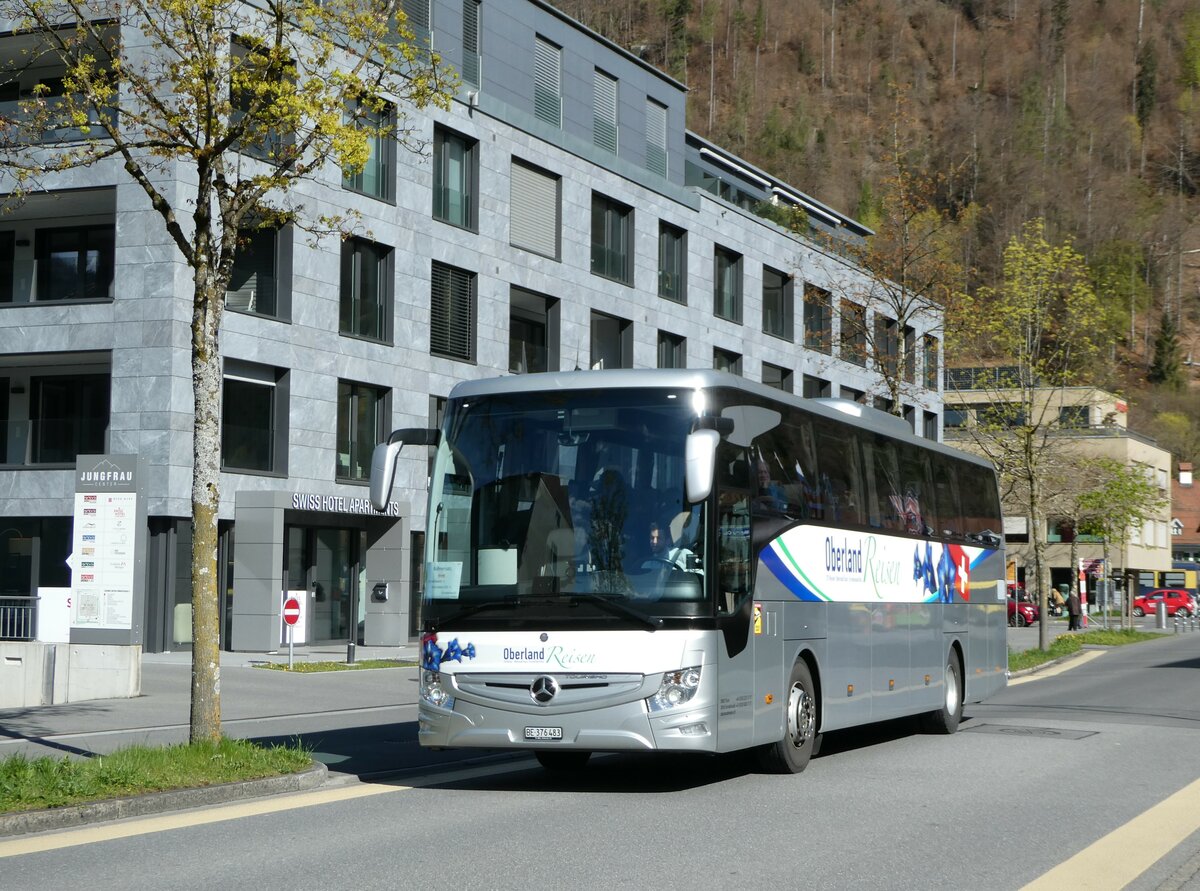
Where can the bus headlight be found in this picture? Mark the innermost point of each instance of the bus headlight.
(433, 692)
(677, 688)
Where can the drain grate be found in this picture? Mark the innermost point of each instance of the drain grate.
(1046, 732)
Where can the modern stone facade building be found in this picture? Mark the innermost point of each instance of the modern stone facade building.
(561, 217)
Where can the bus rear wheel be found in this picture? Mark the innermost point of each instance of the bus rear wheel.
(800, 740)
(946, 718)
(565, 760)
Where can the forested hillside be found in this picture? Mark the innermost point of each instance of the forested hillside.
(1083, 112)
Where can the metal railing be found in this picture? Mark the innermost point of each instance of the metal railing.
(18, 617)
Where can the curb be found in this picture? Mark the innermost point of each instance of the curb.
(25, 822)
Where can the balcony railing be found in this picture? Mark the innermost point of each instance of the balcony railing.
(18, 617)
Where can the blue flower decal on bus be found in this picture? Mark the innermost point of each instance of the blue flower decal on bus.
(432, 656)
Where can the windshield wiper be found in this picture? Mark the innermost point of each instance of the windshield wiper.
(615, 608)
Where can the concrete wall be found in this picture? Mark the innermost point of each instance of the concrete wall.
(48, 674)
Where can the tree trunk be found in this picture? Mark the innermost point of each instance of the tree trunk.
(206, 387)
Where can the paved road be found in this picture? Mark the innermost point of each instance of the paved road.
(1069, 778)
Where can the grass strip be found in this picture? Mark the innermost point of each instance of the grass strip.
(1066, 644)
(311, 667)
(31, 784)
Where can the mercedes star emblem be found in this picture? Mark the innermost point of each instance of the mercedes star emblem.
(543, 689)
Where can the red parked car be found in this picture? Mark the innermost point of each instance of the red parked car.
(1021, 613)
(1179, 602)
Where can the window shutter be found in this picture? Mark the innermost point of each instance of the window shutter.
(533, 210)
(547, 82)
(604, 112)
(656, 138)
(470, 68)
(451, 320)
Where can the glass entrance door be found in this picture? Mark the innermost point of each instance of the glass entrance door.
(328, 561)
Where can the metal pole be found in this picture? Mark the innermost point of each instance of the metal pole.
(290, 627)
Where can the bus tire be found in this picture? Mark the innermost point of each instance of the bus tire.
(567, 759)
(946, 718)
(800, 739)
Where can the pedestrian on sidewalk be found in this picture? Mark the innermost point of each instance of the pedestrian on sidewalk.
(1073, 611)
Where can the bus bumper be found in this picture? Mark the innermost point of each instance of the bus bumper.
(627, 727)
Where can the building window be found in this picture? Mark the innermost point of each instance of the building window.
(612, 342)
(777, 303)
(378, 120)
(818, 319)
(672, 263)
(452, 313)
(1074, 416)
(7, 258)
(727, 285)
(887, 346)
(361, 424)
(931, 426)
(366, 289)
(910, 354)
(547, 81)
(724, 360)
(604, 111)
(612, 239)
(261, 138)
(955, 418)
(471, 43)
(5, 420)
(932, 372)
(777, 377)
(534, 210)
(672, 350)
(256, 284)
(253, 419)
(854, 333)
(818, 388)
(68, 417)
(532, 332)
(74, 263)
(455, 178)
(853, 395)
(656, 137)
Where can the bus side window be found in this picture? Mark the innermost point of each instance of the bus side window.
(949, 514)
(914, 487)
(981, 510)
(885, 500)
(735, 478)
(841, 472)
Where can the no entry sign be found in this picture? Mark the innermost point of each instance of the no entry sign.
(291, 611)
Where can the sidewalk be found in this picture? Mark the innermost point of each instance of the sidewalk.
(255, 703)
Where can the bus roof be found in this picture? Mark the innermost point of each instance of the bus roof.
(863, 416)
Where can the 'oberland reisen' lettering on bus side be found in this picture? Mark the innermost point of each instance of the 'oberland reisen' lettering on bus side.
(844, 559)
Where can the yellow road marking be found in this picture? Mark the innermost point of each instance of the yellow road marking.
(1082, 659)
(180, 820)
(1129, 850)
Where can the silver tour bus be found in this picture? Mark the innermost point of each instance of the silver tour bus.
(685, 561)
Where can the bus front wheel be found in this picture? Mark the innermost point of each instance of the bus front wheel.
(946, 718)
(800, 740)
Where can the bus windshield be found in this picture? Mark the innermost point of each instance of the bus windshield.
(564, 508)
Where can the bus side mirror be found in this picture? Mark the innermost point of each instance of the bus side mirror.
(700, 462)
(383, 473)
(383, 460)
